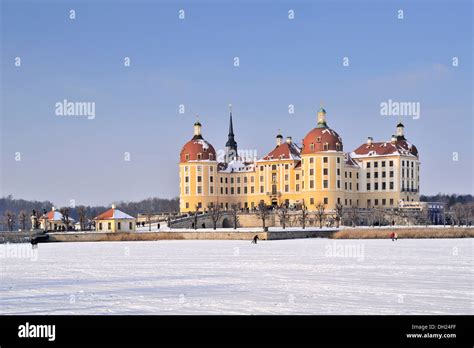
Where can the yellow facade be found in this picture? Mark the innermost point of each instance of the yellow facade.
(328, 177)
(115, 225)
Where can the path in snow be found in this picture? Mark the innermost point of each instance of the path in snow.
(306, 276)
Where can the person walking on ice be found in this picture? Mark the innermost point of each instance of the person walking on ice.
(254, 240)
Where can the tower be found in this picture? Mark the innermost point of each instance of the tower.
(322, 118)
(400, 135)
(231, 144)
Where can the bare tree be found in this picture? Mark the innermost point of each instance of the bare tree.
(457, 212)
(319, 213)
(263, 213)
(195, 217)
(215, 212)
(81, 214)
(65, 217)
(283, 215)
(354, 216)
(10, 220)
(338, 210)
(468, 212)
(235, 215)
(22, 218)
(303, 216)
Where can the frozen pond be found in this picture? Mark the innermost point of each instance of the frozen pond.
(306, 276)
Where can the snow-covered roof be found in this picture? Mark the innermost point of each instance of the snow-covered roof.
(236, 166)
(112, 214)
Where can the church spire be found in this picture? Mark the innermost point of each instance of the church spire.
(231, 145)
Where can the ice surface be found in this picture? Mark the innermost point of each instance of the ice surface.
(305, 276)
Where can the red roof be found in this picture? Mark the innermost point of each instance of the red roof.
(284, 151)
(197, 145)
(320, 136)
(401, 147)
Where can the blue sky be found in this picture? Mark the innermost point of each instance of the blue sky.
(190, 62)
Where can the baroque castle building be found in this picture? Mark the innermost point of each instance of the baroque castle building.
(376, 174)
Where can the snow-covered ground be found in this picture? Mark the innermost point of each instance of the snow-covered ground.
(306, 276)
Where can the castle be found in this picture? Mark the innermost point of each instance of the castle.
(375, 175)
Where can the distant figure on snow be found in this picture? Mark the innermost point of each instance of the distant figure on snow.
(394, 236)
(34, 243)
(203, 225)
(254, 240)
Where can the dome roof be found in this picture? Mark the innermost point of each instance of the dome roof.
(197, 147)
(320, 136)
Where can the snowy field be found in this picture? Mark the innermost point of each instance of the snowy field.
(306, 276)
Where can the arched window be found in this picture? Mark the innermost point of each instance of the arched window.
(325, 146)
(311, 147)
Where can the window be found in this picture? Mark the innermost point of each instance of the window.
(368, 203)
(376, 186)
(186, 190)
(311, 147)
(311, 184)
(232, 191)
(350, 186)
(199, 190)
(325, 146)
(286, 177)
(186, 157)
(338, 171)
(383, 163)
(199, 178)
(286, 167)
(376, 202)
(261, 189)
(238, 190)
(109, 225)
(345, 185)
(376, 175)
(287, 188)
(368, 186)
(391, 185)
(252, 189)
(297, 176)
(274, 167)
(238, 180)
(261, 178)
(391, 173)
(119, 225)
(384, 186)
(390, 163)
(186, 179)
(187, 205)
(325, 171)
(384, 201)
(100, 226)
(199, 169)
(384, 174)
(231, 180)
(199, 156)
(311, 171)
(357, 186)
(297, 187)
(338, 200)
(130, 225)
(325, 184)
(222, 190)
(325, 200)
(345, 201)
(325, 160)
(261, 168)
(368, 165)
(311, 160)
(376, 164)
(318, 139)
(222, 180)
(311, 201)
(338, 147)
(252, 179)
(368, 175)
(211, 157)
(403, 163)
(350, 175)
(391, 201)
(345, 175)
(339, 184)
(338, 160)
(211, 190)
(245, 179)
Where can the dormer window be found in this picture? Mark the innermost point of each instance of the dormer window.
(325, 146)
(338, 147)
(199, 156)
(186, 157)
(282, 156)
(318, 139)
(311, 147)
(211, 157)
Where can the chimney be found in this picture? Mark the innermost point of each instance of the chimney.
(288, 140)
(279, 138)
(113, 206)
(394, 139)
(369, 141)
